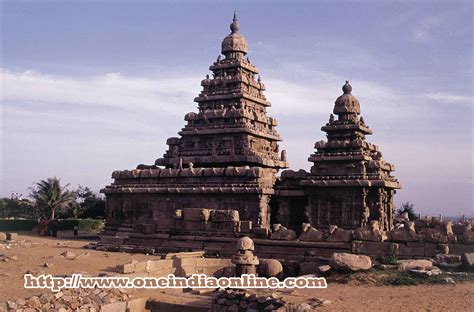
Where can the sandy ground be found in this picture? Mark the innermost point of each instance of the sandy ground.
(344, 297)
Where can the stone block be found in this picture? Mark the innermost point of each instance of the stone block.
(192, 214)
(141, 266)
(126, 268)
(246, 226)
(114, 307)
(128, 249)
(3, 236)
(157, 265)
(308, 268)
(371, 248)
(111, 240)
(182, 244)
(413, 264)
(12, 236)
(261, 232)
(350, 262)
(183, 255)
(136, 305)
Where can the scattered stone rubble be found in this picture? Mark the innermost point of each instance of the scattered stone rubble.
(10, 240)
(239, 300)
(81, 300)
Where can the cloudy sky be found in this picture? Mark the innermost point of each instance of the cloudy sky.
(89, 87)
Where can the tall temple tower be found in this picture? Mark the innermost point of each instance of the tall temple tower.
(225, 158)
(349, 184)
(231, 127)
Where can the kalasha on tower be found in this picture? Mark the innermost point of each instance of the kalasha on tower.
(350, 184)
(219, 174)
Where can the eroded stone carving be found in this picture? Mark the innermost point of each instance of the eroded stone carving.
(405, 233)
(441, 233)
(244, 260)
(371, 232)
(282, 233)
(339, 235)
(310, 234)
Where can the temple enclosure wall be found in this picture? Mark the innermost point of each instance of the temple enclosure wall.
(286, 251)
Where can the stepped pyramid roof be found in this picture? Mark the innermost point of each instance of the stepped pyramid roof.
(231, 126)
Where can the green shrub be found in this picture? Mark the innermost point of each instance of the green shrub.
(403, 281)
(17, 225)
(391, 260)
(91, 224)
(61, 225)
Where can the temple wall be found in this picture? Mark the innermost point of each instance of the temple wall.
(160, 208)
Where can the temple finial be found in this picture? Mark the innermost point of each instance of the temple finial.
(234, 27)
(347, 88)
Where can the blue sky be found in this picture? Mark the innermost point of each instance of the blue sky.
(89, 87)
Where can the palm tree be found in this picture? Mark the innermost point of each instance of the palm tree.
(50, 196)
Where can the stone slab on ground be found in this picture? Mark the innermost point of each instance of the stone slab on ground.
(351, 262)
(180, 255)
(414, 264)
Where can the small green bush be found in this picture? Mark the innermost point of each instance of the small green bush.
(91, 224)
(403, 281)
(17, 225)
(390, 260)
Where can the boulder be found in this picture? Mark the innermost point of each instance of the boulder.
(413, 264)
(270, 268)
(3, 237)
(324, 269)
(69, 255)
(350, 262)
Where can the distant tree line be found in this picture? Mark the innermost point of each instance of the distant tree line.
(49, 199)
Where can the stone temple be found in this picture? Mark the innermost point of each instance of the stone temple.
(225, 159)
(349, 183)
(218, 182)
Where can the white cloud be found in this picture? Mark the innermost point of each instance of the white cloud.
(449, 98)
(111, 90)
(424, 29)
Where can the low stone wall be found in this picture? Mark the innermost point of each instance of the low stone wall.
(275, 249)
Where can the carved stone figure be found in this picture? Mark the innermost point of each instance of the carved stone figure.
(310, 234)
(441, 233)
(468, 235)
(339, 235)
(405, 233)
(365, 216)
(371, 232)
(204, 215)
(178, 214)
(282, 233)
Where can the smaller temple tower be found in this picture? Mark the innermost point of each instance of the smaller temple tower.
(349, 184)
